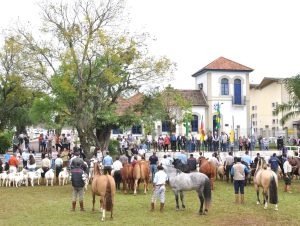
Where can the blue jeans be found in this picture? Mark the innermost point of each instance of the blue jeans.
(239, 186)
(148, 146)
(153, 169)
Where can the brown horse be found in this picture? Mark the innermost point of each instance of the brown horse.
(141, 172)
(105, 187)
(127, 179)
(208, 168)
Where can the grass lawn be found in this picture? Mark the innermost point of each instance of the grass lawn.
(47, 206)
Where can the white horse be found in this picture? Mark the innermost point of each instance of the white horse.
(36, 175)
(197, 181)
(3, 178)
(49, 176)
(63, 177)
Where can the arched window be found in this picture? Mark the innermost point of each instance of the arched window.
(194, 124)
(224, 86)
(136, 129)
(237, 91)
(165, 126)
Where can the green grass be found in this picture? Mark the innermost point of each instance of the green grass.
(51, 206)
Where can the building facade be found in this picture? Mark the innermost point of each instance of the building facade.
(264, 98)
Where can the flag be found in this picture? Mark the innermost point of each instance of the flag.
(202, 133)
(218, 116)
(231, 136)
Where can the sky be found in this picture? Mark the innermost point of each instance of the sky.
(261, 34)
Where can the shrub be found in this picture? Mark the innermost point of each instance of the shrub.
(5, 141)
(113, 147)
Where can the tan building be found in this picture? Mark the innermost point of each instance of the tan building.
(264, 98)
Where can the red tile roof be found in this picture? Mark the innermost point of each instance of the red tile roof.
(126, 104)
(196, 97)
(223, 64)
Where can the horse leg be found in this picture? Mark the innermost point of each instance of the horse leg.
(266, 199)
(93, 201)
(257, 194)
(145, 187)
(201, 198)
(176, 199)
(182, 199)
(135, 186)
(102, 207)
(103, 215)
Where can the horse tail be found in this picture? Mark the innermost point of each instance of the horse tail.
(108, 196)
(207, 191)
(273, 190)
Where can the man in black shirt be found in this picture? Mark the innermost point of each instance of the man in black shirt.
(192, 163)
(153, 164)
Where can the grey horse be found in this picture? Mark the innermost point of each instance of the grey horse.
(180, 182)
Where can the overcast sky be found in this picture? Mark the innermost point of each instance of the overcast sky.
(261, 34)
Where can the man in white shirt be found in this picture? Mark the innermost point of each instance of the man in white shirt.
(287, 170)
(117, 166)
(25, 157)
(165, 161)
(159, 182)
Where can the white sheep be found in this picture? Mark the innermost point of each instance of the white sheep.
(63, 177)
(49, 176)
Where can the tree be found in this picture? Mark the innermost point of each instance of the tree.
(86, 65)
(166, 105)
(16, 95)
(290, 109)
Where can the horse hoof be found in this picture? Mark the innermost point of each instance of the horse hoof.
(183, 206)
(276, 209)
(265, 207)
(177, 208)
(257, 203)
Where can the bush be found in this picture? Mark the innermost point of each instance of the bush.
(113, 147)
(5, 141)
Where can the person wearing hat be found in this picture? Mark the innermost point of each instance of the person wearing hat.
(238, 171)
(287, 170)
(159, 188)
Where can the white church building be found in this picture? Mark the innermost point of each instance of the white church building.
(225, 84)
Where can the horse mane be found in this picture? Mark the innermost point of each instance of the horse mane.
(97, 169)
(108, 196)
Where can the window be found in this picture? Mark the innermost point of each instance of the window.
(194, 123)
(254, 115)
(274, 104)
(165, 126)
(224, 86)
(237, 91)
(136, 129)
(117, 131)
(254, 108)
(273, 121)
(273, 113)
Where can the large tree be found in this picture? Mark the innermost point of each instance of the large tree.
(86, 64)
(290, 109)
(16, 94)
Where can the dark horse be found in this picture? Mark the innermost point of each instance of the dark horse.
(180, 182)
(180, 166)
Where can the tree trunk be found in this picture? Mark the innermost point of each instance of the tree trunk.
(84, 143)
(103, 137)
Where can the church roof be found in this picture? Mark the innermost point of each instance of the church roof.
(223, 64)
(127, 104)
(197, 97)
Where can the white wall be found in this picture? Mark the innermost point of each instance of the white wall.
(202, 79)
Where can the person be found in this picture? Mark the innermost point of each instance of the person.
(247, 159)
(58, 166)
(215, 141)
(224, 139)
(58, 142)
(166, 143)
(209, 141)
(153, 164)
(274, 163)
(77, 178)
(123, 159)
(25, 157)
(238, 171)
(107, 163)
(173, 142)
(75, 158)
(215, 160)
(159, 188)
(229, 160)
(287, 170)
(182, 156)
(31, 165)
(256, 159)
(46, 165)
(192, 163)
(149, 141)
(117, 166)
(54, 155)
(65, 157)
(6, 158)
(165, 161)
(13, 163)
